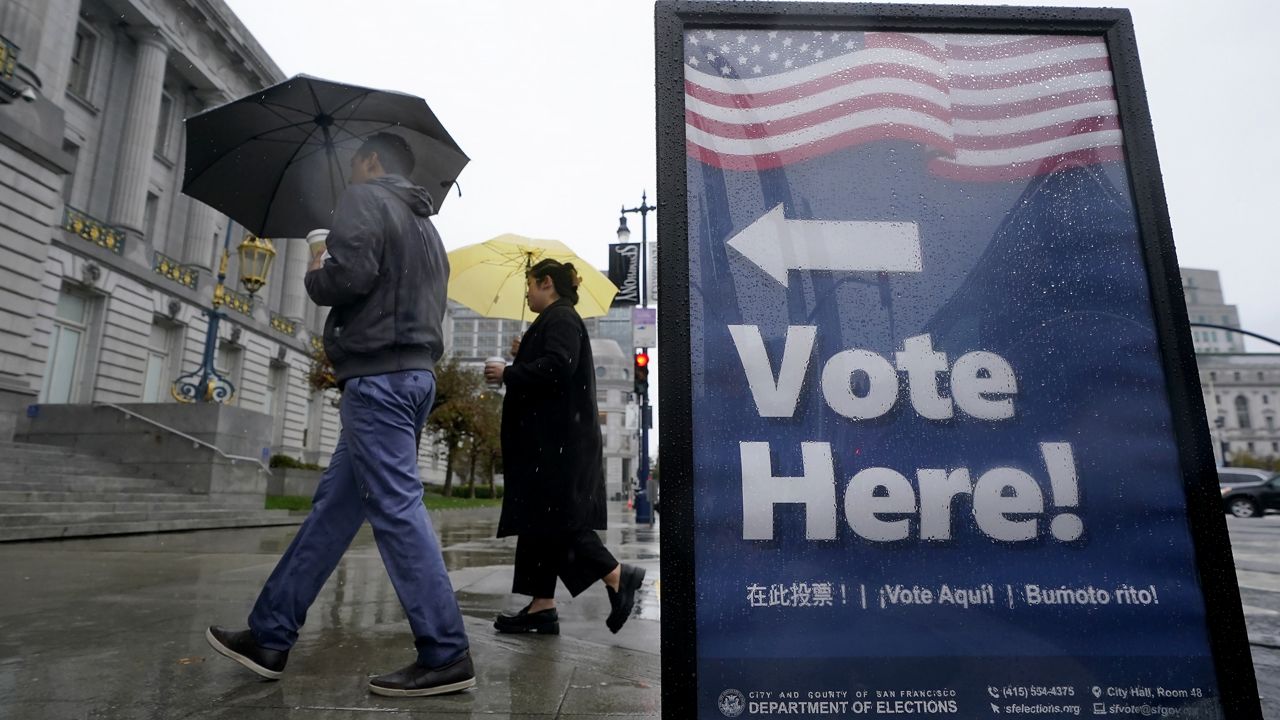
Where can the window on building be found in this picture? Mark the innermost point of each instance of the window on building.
(228, 361)
(276, 400)
(1249, 446)
(1235, 376)
(164, 125)
(1275, 447)
(1260, 378)
(1242, 412)
(83, 53)
(161, 351)
(1213, 375)
(1217, 399)
(1271, 422)
(67, 345)
(150, 213)
(1266, 400)
(1226, 320)
(69, 180)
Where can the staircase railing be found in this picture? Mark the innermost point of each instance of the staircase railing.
(194, 440)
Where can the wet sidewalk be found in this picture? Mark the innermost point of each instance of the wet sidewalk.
(114, 628)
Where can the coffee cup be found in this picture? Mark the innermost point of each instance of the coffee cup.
(495, 362)
(316, 241)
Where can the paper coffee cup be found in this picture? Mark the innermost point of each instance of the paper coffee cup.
(495, 361)
(316, 241)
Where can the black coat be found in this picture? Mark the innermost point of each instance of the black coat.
(552, 453)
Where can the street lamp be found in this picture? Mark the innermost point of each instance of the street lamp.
(644, 509)
(205, 383)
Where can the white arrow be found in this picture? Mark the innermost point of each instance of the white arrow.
(777, 245)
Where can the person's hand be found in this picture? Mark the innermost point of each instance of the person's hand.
(515, 345)
(493, 373)
(317, 261)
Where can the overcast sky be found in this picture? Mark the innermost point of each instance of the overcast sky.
(553, 101)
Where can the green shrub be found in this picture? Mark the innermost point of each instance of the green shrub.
(460, 491)
(432, 501)
(284, 461)
(482, 492)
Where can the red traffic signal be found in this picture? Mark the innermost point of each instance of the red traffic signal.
(641, 374)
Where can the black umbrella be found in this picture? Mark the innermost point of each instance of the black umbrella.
(277, 160)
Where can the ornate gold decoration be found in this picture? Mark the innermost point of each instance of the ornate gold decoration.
(237, 301)
(93, 230)
(8, 58)
(284, 324)
(171, 269)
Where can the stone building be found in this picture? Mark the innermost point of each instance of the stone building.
(614, 388)
(1241, 390)
(1206, 304)
(105, 266)
(472, 338)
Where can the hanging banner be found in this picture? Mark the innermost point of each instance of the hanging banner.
(624, 272)
(934, 385)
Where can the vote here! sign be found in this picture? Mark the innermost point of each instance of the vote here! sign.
(937, 464)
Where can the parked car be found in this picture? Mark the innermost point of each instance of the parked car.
(1249, 493)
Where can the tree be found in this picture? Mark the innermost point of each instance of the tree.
(452, 417)
(484, 443)
(489, 435)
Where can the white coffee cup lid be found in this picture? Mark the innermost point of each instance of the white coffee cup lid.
(317, 234)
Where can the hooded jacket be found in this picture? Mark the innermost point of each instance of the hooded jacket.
(386, 279)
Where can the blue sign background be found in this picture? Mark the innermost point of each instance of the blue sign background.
(1045, 272)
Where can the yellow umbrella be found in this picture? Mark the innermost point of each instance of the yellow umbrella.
(488, 277)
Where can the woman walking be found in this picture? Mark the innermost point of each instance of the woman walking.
(553, 462)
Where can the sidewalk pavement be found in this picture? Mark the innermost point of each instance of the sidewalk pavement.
(114, 628)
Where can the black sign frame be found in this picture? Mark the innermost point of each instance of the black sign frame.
(1215, 565)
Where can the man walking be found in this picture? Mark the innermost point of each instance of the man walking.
(385, 277)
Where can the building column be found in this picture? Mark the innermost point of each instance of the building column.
(204, 224)
(293, 304)
(138, 141)
(202, 235)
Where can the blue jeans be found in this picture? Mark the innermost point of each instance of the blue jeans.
(372, 475)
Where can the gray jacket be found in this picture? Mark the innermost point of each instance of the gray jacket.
(386, 279)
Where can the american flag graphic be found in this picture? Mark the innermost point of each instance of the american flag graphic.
(988, 107)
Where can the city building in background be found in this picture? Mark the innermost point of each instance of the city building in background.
(107, 267)
(617, 422)
(1206, 304)
(471, 338)
(1241, 390)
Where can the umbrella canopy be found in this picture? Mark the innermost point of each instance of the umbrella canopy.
(488, 277)
(277, 160)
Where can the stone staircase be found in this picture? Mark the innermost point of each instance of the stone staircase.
(52, 492)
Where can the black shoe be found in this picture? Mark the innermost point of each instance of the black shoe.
(543, 622)
(241, 647)
(418, 681)
(624, 600)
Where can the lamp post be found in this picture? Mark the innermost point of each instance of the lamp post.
(205, 383)
(644, 509)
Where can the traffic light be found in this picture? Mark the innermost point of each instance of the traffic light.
(641, 374)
